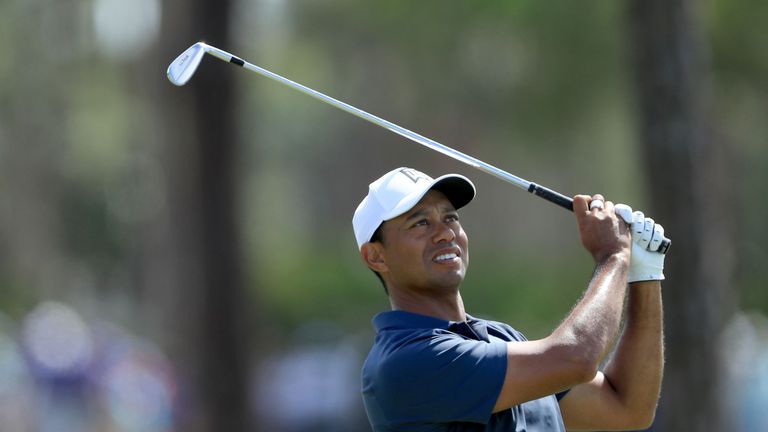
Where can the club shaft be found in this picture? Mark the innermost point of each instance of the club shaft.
(540, 191)
(413, 136)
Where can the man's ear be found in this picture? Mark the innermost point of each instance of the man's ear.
(373, 255)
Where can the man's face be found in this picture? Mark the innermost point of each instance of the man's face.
(426, 248)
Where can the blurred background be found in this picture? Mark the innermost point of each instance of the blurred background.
(182, 259)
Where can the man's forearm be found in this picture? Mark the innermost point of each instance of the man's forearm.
(594, 322)
(636, 369)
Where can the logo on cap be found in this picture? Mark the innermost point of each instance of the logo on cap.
(414, 175)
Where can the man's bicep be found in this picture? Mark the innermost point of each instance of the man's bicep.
(536, 369)
(593, 405)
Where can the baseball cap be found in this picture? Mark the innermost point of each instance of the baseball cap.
(398, 191)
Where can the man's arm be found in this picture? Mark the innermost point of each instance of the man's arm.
(573, 352)
(625, 395)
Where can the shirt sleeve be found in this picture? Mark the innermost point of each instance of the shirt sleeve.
(443, 377)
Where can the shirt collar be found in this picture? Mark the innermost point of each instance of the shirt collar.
(394, 320)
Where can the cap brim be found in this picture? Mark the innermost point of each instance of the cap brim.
(458, 189)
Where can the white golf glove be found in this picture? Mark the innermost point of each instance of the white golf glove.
(646, 263)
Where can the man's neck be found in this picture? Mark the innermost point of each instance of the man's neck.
(449, 307)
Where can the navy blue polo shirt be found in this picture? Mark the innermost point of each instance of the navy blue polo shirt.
(428, 374)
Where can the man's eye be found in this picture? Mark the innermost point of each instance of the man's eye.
(452, 218)
(421, 222)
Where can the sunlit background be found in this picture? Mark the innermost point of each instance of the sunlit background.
(182, 259)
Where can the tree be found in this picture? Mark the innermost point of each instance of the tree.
(203, 303)
(687, 183)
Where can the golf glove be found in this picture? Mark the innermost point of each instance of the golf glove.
(646, 263)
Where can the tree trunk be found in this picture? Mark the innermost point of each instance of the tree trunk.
(203, 304)
(687, 185)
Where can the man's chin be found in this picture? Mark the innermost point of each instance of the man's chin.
(450, 281)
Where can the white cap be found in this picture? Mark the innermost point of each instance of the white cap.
(398, 191)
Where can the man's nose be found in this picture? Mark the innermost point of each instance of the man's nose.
(444, 232)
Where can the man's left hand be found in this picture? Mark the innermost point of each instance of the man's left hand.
(646, 262)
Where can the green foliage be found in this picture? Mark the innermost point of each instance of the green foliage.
(316, 285)
(529, 294)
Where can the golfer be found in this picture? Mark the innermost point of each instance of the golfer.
(434, 367)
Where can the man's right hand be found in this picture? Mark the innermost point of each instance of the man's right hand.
(602, 233)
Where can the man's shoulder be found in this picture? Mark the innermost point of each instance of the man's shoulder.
(501, 330)
(394, 346)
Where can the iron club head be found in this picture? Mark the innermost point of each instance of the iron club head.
(185, 65)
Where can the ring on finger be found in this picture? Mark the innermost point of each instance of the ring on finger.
(596, 204)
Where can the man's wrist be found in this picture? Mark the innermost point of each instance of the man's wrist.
(645, 274)
(618, 259)
(621, 257)
(646, 284)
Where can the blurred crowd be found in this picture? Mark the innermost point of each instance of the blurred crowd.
(61, 372)
(745, 358)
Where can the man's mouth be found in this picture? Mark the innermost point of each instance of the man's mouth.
(447, 257)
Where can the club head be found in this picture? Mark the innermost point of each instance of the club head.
(185, 65)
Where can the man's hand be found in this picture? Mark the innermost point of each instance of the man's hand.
(602, 233)
(646, 263)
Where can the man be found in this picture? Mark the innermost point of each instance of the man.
(433, 367)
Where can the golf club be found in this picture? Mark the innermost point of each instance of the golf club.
(185, 65)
